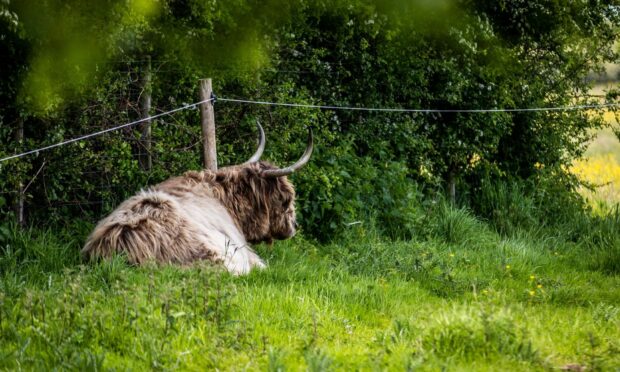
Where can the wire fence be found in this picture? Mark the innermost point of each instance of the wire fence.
(101, 132)
(322, 107)
(423, 111)
(105, 189)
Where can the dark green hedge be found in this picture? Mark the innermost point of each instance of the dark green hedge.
(75, 68)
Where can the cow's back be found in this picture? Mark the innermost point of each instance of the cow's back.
(157, 226)
(149, 226)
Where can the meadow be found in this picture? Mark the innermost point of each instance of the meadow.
(514, 273)
(463, 294)
(460, 297)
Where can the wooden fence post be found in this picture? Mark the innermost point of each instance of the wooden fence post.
(208, 125)
(146, 160)
(19, 200)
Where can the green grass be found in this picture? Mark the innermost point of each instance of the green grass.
(461, 298)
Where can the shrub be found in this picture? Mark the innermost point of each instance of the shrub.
(339, 189)
(548, 199)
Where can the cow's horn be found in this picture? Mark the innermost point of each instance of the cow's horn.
(300, 163)
(261, 145)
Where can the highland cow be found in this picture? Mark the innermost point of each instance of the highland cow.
(210, 215)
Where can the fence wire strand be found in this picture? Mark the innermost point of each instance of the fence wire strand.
(324, 107)
(91, 135)
(424, 111)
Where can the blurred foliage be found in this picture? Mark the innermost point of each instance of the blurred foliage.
(76, 67)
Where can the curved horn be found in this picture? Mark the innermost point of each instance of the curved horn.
(261, 145)
(292, 168)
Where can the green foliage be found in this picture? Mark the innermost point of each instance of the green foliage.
(111, 328)
(368, 167)
(600, 237)
(507, 206)
(544, 201)
(340, 190)
(535, 288)
(473, 335)
(455, 226)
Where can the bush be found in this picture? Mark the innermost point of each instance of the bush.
(354, 53)
(339, 190)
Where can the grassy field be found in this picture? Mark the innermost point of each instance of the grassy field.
(458, 297)
(462, 298)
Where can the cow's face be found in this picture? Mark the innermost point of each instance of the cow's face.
(260, 197)
(263, 207)
(282, 223)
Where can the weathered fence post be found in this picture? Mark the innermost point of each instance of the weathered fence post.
(19, 200)
(208, 125)
(146, 160)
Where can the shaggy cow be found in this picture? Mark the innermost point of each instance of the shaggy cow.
(204, 215)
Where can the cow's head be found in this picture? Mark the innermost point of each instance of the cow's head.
(261, 197)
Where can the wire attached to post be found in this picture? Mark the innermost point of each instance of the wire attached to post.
(213, 98)
(424, 111)
(185, 107)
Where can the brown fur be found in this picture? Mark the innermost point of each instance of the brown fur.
(263, 208)
(200, 215)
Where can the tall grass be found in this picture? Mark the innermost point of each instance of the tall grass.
(462, 294)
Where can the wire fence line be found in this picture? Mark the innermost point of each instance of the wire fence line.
(323, 107)
(95, 134)
(423, 111)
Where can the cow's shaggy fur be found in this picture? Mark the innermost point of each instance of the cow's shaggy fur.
(200, 215)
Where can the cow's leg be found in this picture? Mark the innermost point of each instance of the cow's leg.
(237, 257)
